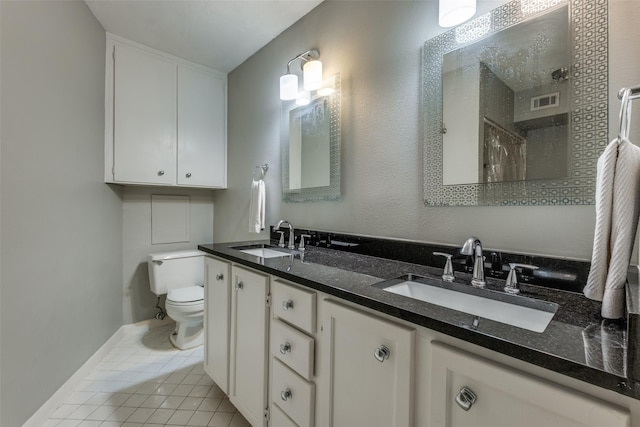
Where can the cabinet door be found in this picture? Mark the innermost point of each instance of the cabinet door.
(202, 142)
(144, 121)
(249, 331)
(362, 389)
(506, 398)
(217, 296)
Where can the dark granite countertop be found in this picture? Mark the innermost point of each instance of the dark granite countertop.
(577, 343)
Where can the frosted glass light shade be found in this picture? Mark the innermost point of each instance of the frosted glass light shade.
(312, 75)
(304, 98)
(454, 12)
(288, 87)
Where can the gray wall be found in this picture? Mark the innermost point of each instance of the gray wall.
(138, 301)
(61, 225)
(376, 46)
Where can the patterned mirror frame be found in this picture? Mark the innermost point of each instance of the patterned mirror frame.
(588, 112)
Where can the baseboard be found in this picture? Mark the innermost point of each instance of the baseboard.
(49, 407)
(145, 325)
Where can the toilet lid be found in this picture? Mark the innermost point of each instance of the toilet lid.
(188, 294)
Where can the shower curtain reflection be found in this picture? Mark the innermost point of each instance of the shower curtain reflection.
(504, 154)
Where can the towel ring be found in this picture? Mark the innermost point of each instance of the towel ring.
(625, 114)
(263, 171)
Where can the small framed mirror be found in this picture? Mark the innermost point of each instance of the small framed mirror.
(310, 144)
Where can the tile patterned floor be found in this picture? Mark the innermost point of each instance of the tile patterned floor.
(144, 381)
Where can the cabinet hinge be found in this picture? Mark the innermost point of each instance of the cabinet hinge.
(266, 414)
(268, 300)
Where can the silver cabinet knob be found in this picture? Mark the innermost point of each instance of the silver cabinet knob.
(285, 348)
(160, 173)
(287, 305)
(381, 353)
(239, 285)
(466, 398)
(188, 175)
(286, 395)
(220, 276)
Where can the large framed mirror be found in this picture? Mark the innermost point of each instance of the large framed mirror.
(516, 106)
(310, 144)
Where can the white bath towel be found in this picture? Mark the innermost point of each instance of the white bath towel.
(617, 208)
(257, 206)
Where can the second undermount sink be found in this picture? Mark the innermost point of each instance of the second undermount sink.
(515, 310)
(262, 251)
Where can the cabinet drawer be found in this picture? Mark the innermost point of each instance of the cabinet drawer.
(279, 419)
(293, 394)
(295, 306)
(293, 348)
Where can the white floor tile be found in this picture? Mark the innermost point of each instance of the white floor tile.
(180, 417)
(221, 419)
(200, 418)
(161, 416)
(145, 382)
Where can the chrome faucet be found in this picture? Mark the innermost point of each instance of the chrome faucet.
(472, 246)
(291, 233)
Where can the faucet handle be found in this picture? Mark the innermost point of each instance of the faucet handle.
(301, 246)
(281, 242)
(447, 274)
(511, 286)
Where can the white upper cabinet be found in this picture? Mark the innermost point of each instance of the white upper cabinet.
(202, 144)
(165, 119)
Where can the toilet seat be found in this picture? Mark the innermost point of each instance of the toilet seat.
(191, 295)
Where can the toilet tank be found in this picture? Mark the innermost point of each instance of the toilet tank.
(172, 270)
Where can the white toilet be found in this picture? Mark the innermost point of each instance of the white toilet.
(180, 275)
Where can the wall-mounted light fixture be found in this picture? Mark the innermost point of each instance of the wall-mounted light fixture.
(312, 76)
(454, 12)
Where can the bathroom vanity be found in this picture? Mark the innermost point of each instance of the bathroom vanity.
(311, 339)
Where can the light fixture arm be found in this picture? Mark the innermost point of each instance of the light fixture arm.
(306, 57)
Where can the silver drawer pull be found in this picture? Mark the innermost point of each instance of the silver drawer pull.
(285, 348)
(286, 395)
(466, 398)
(160, 173)
(287, 305)
(220, 276)
(239, 285)
(381, 353)
(188, 175)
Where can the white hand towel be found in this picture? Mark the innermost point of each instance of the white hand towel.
(617, 208)
(257, 206)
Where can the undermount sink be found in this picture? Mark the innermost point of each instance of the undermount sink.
(262, 251)
(515, 310)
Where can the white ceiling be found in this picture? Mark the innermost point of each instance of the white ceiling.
(220, 34)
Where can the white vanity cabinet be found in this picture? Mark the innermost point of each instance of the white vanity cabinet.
(505, 397)
(165, 119)
(248, 370)
(368, 368)
(292, 344)
(217, 297)
(289, 356)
